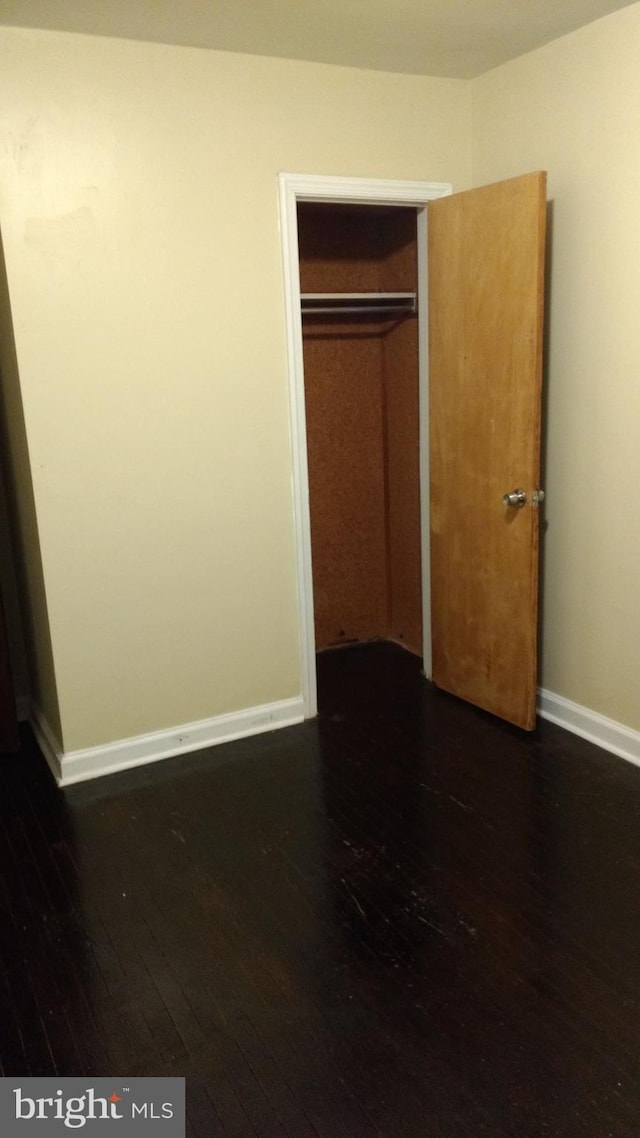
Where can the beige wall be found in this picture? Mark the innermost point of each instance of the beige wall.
(139, 220)
(20, 560)
(573, 108)
(138, 204)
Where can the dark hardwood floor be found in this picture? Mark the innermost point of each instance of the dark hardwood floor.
(404, 919)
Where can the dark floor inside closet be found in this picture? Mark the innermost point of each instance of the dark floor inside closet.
(402, 919)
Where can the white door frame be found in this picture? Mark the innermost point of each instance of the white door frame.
(294, 188)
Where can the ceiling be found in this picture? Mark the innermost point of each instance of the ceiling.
(456, 38)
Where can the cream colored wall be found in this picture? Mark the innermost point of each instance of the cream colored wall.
(20, 558)
(138, 203)
(573, 108)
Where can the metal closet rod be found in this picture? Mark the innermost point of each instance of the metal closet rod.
(355, 303)
(361, 309)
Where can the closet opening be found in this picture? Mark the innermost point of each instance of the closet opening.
(360, 343)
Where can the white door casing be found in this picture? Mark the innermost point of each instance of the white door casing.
(294, 188)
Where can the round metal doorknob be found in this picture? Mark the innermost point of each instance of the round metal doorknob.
(516, 498)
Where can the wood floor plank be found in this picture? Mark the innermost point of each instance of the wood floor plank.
(402, 919)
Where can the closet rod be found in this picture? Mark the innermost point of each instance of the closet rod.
(362, 309)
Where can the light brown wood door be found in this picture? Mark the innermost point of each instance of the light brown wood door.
(486, 274)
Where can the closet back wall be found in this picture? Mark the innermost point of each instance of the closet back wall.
(361, 389)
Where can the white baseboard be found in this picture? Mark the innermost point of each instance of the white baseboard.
(46, 740)
(93, 762)
(606, 733)
(77, 766)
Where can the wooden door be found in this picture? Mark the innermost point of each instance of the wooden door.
(486, 272)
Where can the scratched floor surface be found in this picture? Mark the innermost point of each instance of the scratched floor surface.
(404, 919)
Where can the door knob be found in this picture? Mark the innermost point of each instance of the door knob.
(516, 498)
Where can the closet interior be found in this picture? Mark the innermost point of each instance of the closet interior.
(359, 284)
